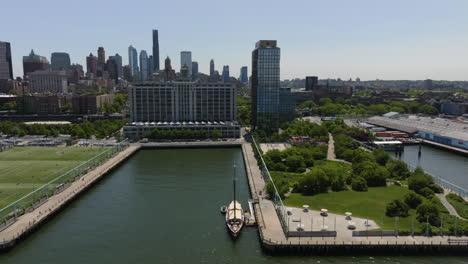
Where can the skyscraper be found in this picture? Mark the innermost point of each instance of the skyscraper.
(155, 51)
(226, 73)
(194, 69)
(101, 62)
(311, 82)
(150, 65)
(6, 66)
(212, 68)
(118, 61)
(143, 65)
(60, 61)
(133, 60)
(112, 68)
(265, 85)
(33, 62)
(244, 78)
(186, 59)
(91, 66)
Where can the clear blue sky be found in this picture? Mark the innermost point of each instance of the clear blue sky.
(370, 39)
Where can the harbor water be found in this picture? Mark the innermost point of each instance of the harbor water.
(162, 206)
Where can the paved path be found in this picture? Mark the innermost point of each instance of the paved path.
(447, 204)
(331, 148)
(55, 202)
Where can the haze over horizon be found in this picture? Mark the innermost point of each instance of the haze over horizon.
(397, 40)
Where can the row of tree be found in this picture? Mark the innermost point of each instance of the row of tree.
(86, 129)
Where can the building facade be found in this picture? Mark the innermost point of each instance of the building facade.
(60, 61)
(311, 82)
(225, 75)
(91, 66)
(212, 68)
(186, 59)
(143, 65)
(33, 62)
(133, 61)
(90, 104)
(244, 78)
(118, 61)
(183, 105)
(48, 82)
(265, 85)
(155, 51)
(6, 66)
(101, 62)
(194, 70)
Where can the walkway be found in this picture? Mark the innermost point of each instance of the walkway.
(331, 148)
(447, 204)
(29, 221)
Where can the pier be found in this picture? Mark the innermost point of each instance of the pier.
(38, 215)
(277, 236)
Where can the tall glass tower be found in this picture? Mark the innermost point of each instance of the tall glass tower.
(155, 51)
(6, 68)
(143, 65)
(265, 86)
(133, 60)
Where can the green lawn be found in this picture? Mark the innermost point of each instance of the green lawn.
(370, 204)
(460, 205)
(23, 169)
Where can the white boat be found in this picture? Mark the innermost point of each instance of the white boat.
(234, 214)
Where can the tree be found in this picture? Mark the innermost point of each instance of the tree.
(398, 169)
(419, 180)
(216, 134)
(295, 163)
(397, 208)
(413, 200)
(428, 110)
(381, 156)
(428, 211)
(359, 184)
(314, 182)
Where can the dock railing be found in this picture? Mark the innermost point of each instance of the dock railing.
(277, 201)
(32, 200)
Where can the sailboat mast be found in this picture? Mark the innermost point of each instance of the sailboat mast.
(234, 184)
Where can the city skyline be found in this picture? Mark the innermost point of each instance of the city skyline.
(397, 40)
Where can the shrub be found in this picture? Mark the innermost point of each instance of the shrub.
(436, 188)
(397, 208)
(426, 192)
(413, 200)
(359, 184)
(428, 212)
(338, 184)
(419, 180)
(398, 169)
(381, 156)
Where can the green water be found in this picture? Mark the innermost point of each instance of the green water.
(162, 206)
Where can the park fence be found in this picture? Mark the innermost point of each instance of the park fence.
(32, 200)
(277, 201)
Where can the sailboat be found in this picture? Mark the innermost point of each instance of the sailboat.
(234, 214)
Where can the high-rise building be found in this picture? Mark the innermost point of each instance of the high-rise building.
(48, 82)
(6, 66)
(112, 68)
(194, 69)
(265, 85)
(133, 61)
(155, 51)
(118, 61)
(311, 82)
(101, 62)
(143, 65)
(75, 73)
(244, 78)
(33, 62)
(91, 66)
(167, 74)
(182, 105)
(226, 73)
(212, 68)
(150, 65)
(60, 61)
(186, 59)
(127, 73)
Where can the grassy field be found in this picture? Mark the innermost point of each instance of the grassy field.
(27, 168)
(370, 204)
(460, 205)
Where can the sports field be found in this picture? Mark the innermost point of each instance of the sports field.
(23, 169)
